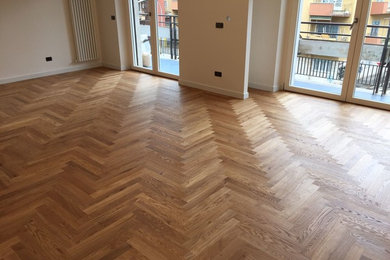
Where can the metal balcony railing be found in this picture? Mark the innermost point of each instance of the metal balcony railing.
(340, 36)
(368, 74)
(169, 45)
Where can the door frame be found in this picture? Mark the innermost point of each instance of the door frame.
(153, 43)
(353, 59)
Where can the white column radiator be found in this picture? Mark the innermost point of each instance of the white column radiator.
(83, 30)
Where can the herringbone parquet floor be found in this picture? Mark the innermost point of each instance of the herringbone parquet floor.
(103, 164)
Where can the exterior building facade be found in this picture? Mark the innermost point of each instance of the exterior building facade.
(336, 12)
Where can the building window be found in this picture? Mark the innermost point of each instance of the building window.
(374, 30)
(328, 29)
(338, 4)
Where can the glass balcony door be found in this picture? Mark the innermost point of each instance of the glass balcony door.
(370, 82)
(155, 36)
(168, 36)
(324, 47)
(342, 53)
(142, 21)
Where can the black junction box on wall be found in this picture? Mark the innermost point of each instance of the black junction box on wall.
(218, 74)
(219, 25)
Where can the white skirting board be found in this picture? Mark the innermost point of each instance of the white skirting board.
(50, 73)
(114, 67)
(268, 88)
(213, 89)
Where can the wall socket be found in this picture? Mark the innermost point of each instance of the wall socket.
(49, 59)
(218, 74)
(219, 25)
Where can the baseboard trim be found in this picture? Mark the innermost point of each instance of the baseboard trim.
(50, 73)
(112, 66)
(263, 87)
(213, 89)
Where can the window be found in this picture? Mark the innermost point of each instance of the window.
(374, 30)
(338, 4)
(328, 29)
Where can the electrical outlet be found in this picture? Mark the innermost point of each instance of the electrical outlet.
(49, 59)
(219, 25)
(218, 74)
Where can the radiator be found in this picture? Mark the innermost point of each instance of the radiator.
(83, 30)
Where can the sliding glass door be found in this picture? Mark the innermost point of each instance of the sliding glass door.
(341, 50)
(155, 36)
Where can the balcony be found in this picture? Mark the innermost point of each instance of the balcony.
(174, 5)
(326, 10)
(168, 41)
(319, 64)
(341, 13)
(379, 8)
(321, 9)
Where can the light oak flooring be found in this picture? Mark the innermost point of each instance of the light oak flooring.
(103, 164)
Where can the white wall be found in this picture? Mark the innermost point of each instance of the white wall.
(205, 49)
(267, 44)
(31, 30)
